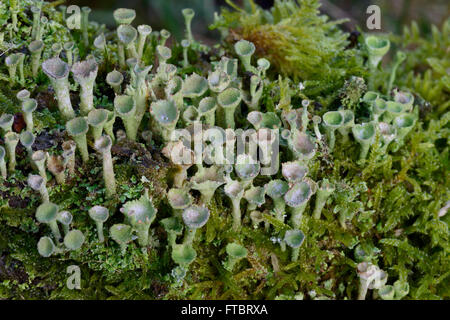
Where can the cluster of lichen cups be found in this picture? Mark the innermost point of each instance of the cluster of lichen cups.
(169, 102)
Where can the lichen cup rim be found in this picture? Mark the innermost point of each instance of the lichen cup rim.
(47, 212)
(27, 138)
(29, 105)
(97, 117)
(56, 68)
(298, 194)
(77, 126)
(244, 48)
(230, 97)
(124, 15)
(74, 239)
(164, 111)
(294, 238)
(124, 104)
(276, 188)
(195, 216)
(99, 213)
(127, 34)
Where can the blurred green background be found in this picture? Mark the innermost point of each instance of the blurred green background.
(167, 13)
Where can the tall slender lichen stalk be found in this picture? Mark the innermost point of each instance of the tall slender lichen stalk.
(125, 107)
(11, 141)
(77, 129)
(58, 73)
(85, 72)
(103, 145)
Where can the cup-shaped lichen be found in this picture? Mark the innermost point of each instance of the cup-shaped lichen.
(404, 124)
(23, 95)
(404, 98)
(28, 107)
(218, 81)
(115, 79)
(85, 72)
(179, 199)
(140, 214)
(58, 73)
(207, 180)
(194, 218)
(387, 292)
(36, 47)
(3, 170)
(235, 191)
(99, 214)
(255, 197)
(27, 140)
(379, 107)
(47, 213)
(323, 193)
(103, 145)
(127, 36)
(174, 228)
(163, 53)
(183, 254)
(246, 168)
(97, 119)
(144, 31)
(365, 135)
(388, 134)
(377, 48)
(235, 252)
(122, 234)
(46, 247)
(332, 120)
(293, 171)
(65, 218)
(393, 110)
(125, 107)
(294, 239)
(229, 100)
(124, 16)
(297, 198)
(11, 141)
(188, 15)
(74, 239)
(207, 109)
(39, 157)
(6, 122)
(348, 122)
(194, 86)
(12, 62)
(37, 183)
(77, 129)
(245, 49)
(166, 114)
(276, 189)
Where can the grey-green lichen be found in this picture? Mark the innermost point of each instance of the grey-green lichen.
(358, 207)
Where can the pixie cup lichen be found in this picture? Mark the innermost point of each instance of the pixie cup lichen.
(235, 252)
(99, 214)
(229, 100)
(365, 135)
(140, 214)
(194, 218)
(46, 247)
(74, 239)
(166, 114)
(77, 129)
(122, 234)
(294, 239)
(37, 183)
(235, 191)
(85, 72)
(47, 213)
(65, 218)
(39, 158)
(11, 141)
(3, 171)
(96, 120)
(28, 107)
(125, 107)
(245, 49)
(103, 145)
(58, 73)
